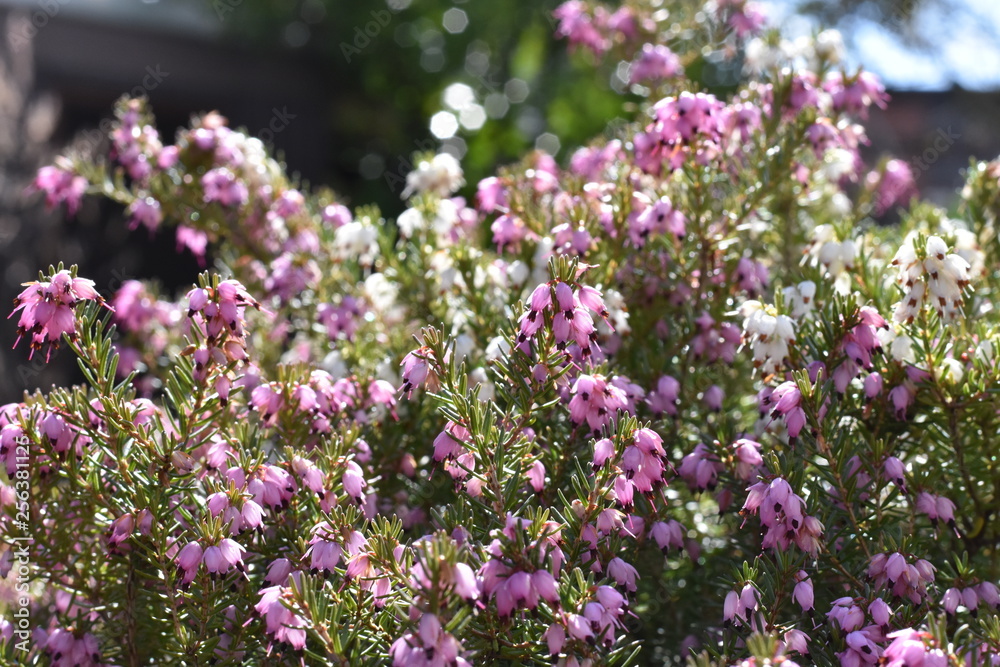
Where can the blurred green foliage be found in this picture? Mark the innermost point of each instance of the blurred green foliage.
(388, 65)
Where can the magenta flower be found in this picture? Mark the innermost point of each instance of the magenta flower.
(465, 582)
(895, 185)
(665, 398)
(739, 604)
(353, 481)
(194, 240)
(508, 230)
(579, 627)
(518, 590)
(624, 574)
(787, 403)
(120, 531)
(66, 649)
(700, 469)
(855, 95)
(747, 19)
(803, 591)
(751, 276)
(309, 475)
(60, 185)
(796, 641)
(970, 599)
(168, 157)
(642, 466)
(652, 219)
(880, 612)
(268, 400)
(224, 556)
(450, 443)
(572, 323)
(782, 516)
(989, 593)
(846, 614)
(430, 645)
(901, 398)
(714, 397)
(219, 315)
(415, 370)
(324, 551)
(278, 571)
(48, 309)
(536, 476)
(269, 485)
(667, 535)
(188, 559)
(336, 215)
(145, 211)
(873, 385)
(328, 545)
(576, 25)
(370, 577)
(591, 162)
(242, 515)
(490, 195)
(907, 580)
(605, 613)
(936, 508)
(908, 649)
(604, 449)
(655, 63)
(861, 650)
(281, 622)
(895, 471)
(746, 453)
(680, 125)
(555, 639)
(595, 400)
(222, 186)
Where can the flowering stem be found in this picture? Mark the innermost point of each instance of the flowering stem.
(840, 566)
(130, 612)
(842, 489)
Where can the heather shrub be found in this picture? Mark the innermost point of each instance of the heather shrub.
(681, 397)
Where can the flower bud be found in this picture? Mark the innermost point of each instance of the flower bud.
(880, 612)
(803, 592)
(952, 598)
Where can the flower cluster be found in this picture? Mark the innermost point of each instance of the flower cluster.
(768, 334)
(640, 468)
(219, 313)
(48, 309)
(566, 310)
(931, 275)
(783, 517)
(907, 580)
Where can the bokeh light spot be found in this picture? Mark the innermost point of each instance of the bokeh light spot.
(444, 125)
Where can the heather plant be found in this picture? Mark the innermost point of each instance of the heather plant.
(679, 399)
